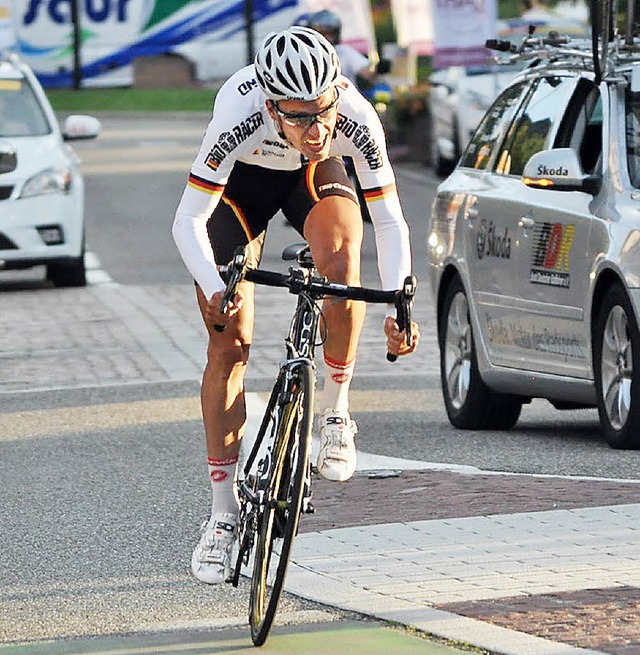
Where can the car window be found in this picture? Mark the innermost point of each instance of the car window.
(494, 123)
(581, 127)
(632, 120)
(20, 112)
(532, 131)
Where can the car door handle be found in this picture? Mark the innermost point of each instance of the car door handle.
(526, 223)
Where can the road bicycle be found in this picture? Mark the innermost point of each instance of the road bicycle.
(274, 484)
(613, 33)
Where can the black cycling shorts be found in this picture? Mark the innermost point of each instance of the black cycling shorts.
(253, 195)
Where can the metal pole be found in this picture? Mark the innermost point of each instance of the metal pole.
(630, 21)
(77, 42)
(248, 16)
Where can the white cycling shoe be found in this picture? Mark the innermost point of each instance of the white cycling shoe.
(211, 559)
(337, 457)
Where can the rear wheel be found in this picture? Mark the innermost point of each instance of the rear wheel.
(282, 504)
(616, 357)
(602, 26)
(470, 404)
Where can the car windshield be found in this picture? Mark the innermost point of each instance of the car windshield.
(20, 111)
(633, 136)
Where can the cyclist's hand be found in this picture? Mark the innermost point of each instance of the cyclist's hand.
(397, 341)
(212, 315)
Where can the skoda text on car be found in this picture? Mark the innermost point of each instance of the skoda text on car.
(41, 189)
(534, 246)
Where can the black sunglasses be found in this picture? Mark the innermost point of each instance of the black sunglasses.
(305, 121)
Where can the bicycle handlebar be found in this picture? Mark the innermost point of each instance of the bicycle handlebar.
(298, 280)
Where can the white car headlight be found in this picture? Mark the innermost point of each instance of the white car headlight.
(53, 180)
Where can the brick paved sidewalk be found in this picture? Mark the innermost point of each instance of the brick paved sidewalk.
(603, 619)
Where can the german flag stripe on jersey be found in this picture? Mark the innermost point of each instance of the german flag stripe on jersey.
(201, 184)
(311, 171)
(379, 192)
(240, 216)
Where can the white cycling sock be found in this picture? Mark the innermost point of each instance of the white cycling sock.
(222, 474)
(337, 380)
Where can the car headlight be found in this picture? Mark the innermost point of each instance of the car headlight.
(53, 180)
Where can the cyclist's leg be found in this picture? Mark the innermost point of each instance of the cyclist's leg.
(234, 223)
(334, 230)
(250, 199)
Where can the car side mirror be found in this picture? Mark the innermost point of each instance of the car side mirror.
(79, 127)
(558, 169)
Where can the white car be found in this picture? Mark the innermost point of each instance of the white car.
(459, 96)
(458, 99)
(41, 189)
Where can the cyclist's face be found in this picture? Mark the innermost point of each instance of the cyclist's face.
(308, 126)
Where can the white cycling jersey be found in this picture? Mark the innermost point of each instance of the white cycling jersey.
(242, 130)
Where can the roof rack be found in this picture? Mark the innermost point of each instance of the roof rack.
(607, 50)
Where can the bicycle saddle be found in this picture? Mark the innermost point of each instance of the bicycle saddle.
(300, 252)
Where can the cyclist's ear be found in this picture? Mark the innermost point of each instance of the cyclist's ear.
(271, 109)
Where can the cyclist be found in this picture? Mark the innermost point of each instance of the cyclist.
(353, 64)
(275, 142)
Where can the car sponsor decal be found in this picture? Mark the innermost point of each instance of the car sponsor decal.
(510, 333)
(550, 257)
(491, 244)
(361, 137)
(229, 141)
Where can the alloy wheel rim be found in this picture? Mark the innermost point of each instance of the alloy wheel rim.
(616, 368)
(458, 346)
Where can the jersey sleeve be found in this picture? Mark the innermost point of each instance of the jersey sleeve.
(231, 133)
(363, 139)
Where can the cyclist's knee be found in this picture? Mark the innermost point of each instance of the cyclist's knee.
(342, 266)
(228, 357)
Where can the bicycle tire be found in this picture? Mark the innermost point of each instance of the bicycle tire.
(282, 502)
(602, 22)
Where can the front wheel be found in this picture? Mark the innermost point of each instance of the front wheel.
(470, 404)
(282, 504)
(616, 356)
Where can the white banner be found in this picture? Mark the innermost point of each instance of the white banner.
(7, 25)
(461, 28)
(413, 20)
(357, 22)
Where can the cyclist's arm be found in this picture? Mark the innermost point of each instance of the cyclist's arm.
(211, 168)
(192, 239)
(367, 146)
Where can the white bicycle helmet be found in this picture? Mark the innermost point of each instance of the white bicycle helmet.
(296, 64)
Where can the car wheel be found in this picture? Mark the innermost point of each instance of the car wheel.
(470, 404)
(616, 357)
(68, 274)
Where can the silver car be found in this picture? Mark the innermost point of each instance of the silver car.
(534, 249)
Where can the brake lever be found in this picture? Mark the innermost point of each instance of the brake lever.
(236, 271)
(404, 306)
